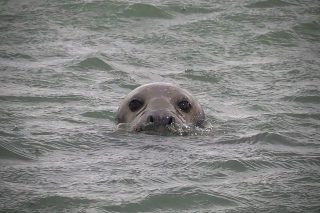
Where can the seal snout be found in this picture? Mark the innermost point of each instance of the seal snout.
(160, 118)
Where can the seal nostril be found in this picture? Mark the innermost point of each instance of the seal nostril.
(150, 119)
(170, 121)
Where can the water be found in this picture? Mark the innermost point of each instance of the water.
(253, 65)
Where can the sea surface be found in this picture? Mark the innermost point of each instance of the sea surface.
(254, 65)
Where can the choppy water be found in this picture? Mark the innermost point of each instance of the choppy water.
(254, 66)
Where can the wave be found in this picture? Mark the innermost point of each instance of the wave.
(315, 99)
(37, 99)
(94, 63)
(178, 199)
(201, 75)
(99, 114)
(57, 202)
(265, 138)
(285, 38)
(236, 165)
(121, 79)
(315, 116)
(268, 4)
(11, 151)
(269, 160)
(308, 30)
(193, 8)
(14, 55)
(141, 10)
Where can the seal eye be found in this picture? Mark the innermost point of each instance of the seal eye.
(184, 106)
(135, 105)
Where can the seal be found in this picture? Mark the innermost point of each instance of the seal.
(159, 107)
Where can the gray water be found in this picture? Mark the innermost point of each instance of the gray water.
(252, 64)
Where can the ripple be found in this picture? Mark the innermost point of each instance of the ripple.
(193, 9)
(315, 99)
(38, 99)
(265, 138)
(15, 56)
(74, 121)
(268, 4)
(205, 76)
(99, 114)
(11, 151)
(7, 134)
(237, 165)
(203, 28)
(58, 202)
(146, 11)
(181, 198)
(308, 30)
(94, 63)
(307, 160)
(122, 80)
(285, 38)
(315, 116)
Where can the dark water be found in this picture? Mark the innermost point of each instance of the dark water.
(253, 65)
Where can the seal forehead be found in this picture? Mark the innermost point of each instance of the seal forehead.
(157, 90)
(162, 90)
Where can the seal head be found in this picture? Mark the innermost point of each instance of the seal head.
(160, 107)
